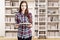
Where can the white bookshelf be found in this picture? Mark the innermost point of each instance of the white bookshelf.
(11, 7)
(47, 18)
(40, 17)
(53, 6)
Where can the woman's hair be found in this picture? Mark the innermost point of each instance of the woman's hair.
(26, 11)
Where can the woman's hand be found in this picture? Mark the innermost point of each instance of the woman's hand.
(16, 25)
(29, 25)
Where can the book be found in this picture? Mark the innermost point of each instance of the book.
(7, 3)
(6, 19)
(8, 11)
(14, 10)
(55, 3)
(7, 27)
(12, 26)
(36, 27)
(48, 33)
(56, 33)
(13, 19)
(15, 3)
(49, 26)
(51, 33)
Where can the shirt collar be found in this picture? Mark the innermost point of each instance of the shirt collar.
(22, 14)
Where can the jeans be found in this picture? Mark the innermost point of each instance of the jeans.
(30, 38)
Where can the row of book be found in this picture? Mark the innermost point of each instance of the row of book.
(36, 32)
(40, 0)
(53, 4)
(11, 34)
(52, 26)
(36, 11)
(12, 26)
(42, 32)
(42, 10)
(41, 6)
(53, 11)
(53, 33)
(41, 18)
(11, 3)
(53, 18)
(36, 19)
(36, 27)
(42, 27)
(49, 26)
(50, 18)
(50, 11)
(10, 19)
(11, 11)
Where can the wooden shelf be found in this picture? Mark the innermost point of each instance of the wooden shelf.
(9, 14)
(12, 30)
(53, 14)
(53, 6)
(11, 6)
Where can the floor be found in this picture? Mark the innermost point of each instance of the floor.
(3, 38)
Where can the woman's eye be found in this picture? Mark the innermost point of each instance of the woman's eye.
(23, 5)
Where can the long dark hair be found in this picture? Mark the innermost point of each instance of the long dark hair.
(26, 11)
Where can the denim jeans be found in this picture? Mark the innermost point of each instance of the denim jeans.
(30, 38)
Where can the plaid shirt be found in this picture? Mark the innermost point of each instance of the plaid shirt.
(23, 30)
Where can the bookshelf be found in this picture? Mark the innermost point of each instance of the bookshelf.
(46, 18)
(11, 6)
(53, 18)
(40, 17)
(47, 24)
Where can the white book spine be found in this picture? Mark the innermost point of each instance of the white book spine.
(7, 3)
(12, 26)
(15, 3)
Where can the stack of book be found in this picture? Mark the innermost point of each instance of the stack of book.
(10, 19)
(41, 6)
(53, 4)
(7, 3)
(52, 26)
(8, 11)
(14, 10)
(53, 11)
(7, 27)
(42, 10)
(10, 26)
(53, 18)
(15, 3)
(11, 34)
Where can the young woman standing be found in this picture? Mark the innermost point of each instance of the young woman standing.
(23, 16)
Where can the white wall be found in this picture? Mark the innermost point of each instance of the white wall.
(2, 21)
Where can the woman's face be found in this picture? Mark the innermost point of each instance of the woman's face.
(23, 6)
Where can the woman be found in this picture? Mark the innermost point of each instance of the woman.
(24, 31)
